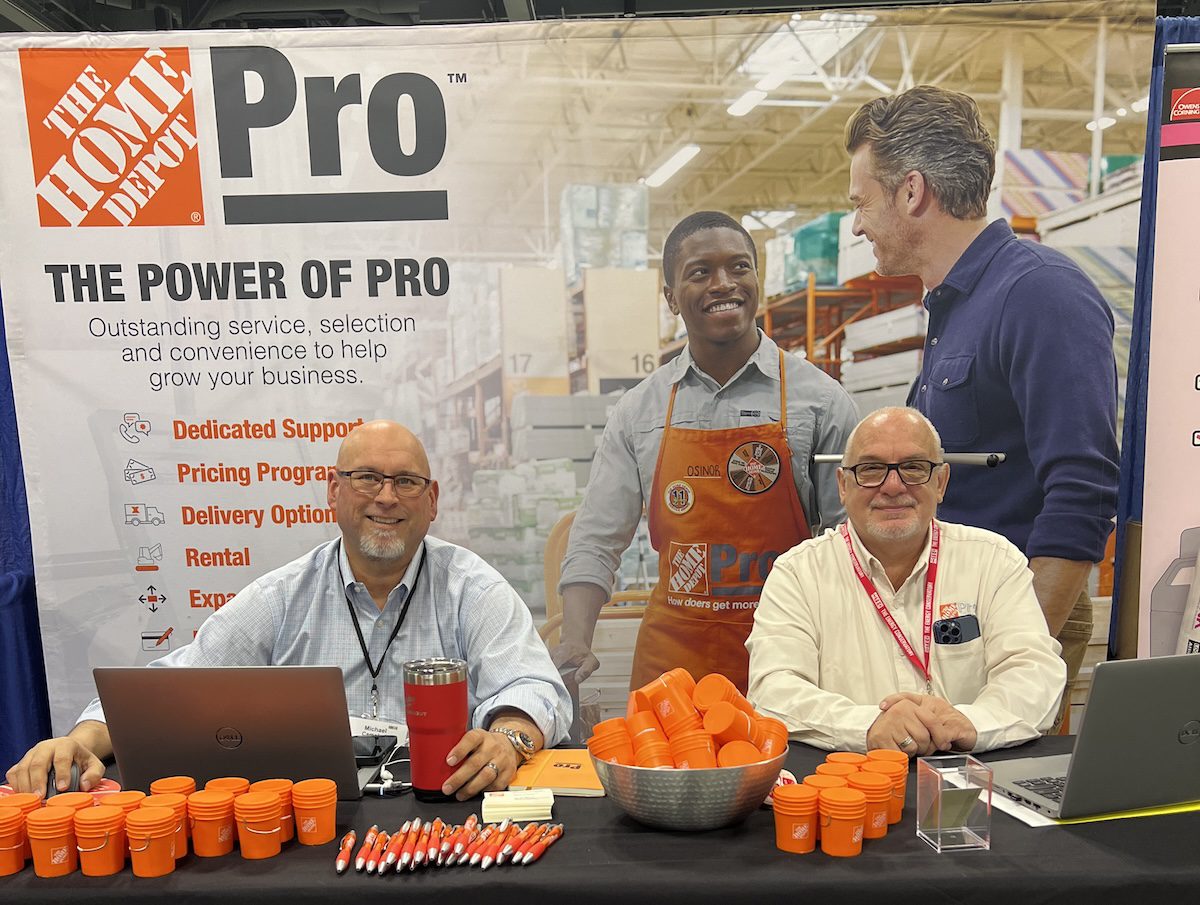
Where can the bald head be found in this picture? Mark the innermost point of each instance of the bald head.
(381, 438)
(892, 423)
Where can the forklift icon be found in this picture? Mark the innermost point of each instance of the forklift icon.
(141, 514)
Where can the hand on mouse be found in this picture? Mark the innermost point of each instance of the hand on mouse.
(29, 774)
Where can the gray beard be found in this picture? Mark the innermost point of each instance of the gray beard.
(380, 549)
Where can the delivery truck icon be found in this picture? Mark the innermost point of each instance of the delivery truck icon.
(141, 514)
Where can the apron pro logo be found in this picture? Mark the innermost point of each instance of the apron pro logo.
(689, 568)
(113, 136)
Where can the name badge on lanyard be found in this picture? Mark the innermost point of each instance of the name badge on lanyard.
(885, 614)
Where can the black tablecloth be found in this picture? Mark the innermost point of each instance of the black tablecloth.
(609, 859)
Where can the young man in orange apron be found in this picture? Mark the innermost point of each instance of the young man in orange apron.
(704, 445)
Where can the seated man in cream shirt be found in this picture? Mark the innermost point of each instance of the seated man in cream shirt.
(844, 648)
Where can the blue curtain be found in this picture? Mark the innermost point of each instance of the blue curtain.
(1133, 443)
(24, 705)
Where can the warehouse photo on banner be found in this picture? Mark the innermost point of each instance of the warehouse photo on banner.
(224, 250)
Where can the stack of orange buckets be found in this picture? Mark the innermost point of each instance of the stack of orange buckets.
(850, 797)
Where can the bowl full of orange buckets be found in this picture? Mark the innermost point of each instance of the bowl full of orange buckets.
(688, 755)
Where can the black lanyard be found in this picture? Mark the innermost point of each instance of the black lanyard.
(374, 670)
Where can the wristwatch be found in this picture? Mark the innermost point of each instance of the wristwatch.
(521, 741)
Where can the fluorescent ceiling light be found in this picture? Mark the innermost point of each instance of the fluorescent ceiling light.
(799, 47)
(1141, 105)
(1104, 122)
(766, 219)
(672, 165)
(746, 103)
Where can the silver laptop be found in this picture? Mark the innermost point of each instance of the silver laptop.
(1138, 745)
(260, 722)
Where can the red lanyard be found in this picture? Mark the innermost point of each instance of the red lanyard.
(886, 615)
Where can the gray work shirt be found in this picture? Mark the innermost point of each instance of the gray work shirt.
(820, 416)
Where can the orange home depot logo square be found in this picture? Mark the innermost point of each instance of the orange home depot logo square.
(113, 136)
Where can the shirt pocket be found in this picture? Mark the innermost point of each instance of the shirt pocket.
(962, 669)
(952, 406)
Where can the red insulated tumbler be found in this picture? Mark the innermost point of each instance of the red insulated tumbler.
(435, 701)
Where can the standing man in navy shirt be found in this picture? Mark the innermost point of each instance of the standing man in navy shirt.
(1018, 354)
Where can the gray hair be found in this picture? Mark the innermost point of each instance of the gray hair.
(936, 132)
(893, 411)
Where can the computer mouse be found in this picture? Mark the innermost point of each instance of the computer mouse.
(52, 782)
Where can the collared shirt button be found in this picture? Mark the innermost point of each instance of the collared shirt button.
(945, 380)
(933, 342)
(924, 387)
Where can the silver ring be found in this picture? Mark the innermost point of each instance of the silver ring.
(495, 769)
(906, 741)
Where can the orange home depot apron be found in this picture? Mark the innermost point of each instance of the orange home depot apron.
(723, 505)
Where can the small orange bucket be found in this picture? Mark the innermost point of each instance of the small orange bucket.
(738, 754)
(282, 788)
(694, 750)
(643, 721)
(728, 724)
(210, 813)
(842, 814)
(618, 727)
(151, 834)
(51, 834)
(878, 790)
(888, 754)
(821, 781)
(613, 750)
(12, 840)
(72, 800)
(177, 802)
(774, 734)
(100, 837)
(898, 774)
(259, 833)
(26, 803)
(235, 784)
(795, 818)
(674, 709)
(828, 769)
(314, 802)
(654, 754)
(183, 785)
(846, 757)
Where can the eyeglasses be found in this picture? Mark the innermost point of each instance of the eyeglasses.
(912, 472)
(370, 483)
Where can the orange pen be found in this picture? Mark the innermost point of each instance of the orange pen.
(470, 831)
(544, 843)
(473, 854)
(360, 861)
(392, 852)
(447, 846)
(420, 848)
(410, 844)
(345, 848)
(435, 840)
(376, 855)
(515, 842)
(463, 846)
(492, 850)
(534, 840)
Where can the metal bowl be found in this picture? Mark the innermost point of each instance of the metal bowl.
(689, 799)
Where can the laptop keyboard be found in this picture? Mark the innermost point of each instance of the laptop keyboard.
(1047, 786)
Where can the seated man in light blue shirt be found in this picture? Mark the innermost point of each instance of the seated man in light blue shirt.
(380, 595)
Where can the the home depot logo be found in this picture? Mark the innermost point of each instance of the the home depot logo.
(689, 568)
(1185, 103)
(113, 136)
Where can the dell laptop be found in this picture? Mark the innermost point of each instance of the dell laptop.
(260, 722)
(1138, 745)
